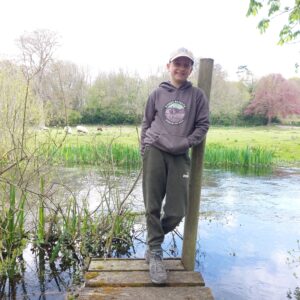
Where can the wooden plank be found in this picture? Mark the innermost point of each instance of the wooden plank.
(147, 293)
(129, 279)
(141, 278)
(127, 265)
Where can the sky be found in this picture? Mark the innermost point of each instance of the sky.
(138, 36)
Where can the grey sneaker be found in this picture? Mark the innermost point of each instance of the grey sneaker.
(157, 270)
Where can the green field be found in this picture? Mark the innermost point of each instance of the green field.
(282, 141)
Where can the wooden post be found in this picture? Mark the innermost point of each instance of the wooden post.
(192, 216)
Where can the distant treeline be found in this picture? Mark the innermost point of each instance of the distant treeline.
(64, 94)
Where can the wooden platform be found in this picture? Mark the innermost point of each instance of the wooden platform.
(129, 279)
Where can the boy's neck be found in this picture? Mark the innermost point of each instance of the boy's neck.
(177, 84)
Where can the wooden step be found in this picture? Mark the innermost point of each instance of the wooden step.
(140, 278)
(126, 265)
(129, 279)
(147, 293)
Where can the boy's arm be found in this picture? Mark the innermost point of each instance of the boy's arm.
(147, 120)
(201, 122)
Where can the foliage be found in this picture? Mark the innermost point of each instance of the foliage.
(109, 116)
(227, 98)
(223, 119)
(114, 98)
(217, 155)
(20, 110)
(74, 117)
(247, 78)
(274, 97)
(13, 88)
(12, 232)
(290, 31)
(37, 49)
(286, 148)
(65, 96)
(64, 89)
(128, 157)
(93, 154)
(238, 120)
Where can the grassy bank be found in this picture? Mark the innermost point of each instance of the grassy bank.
(277, 143)
(283, 141)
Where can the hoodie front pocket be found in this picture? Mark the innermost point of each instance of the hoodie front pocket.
(172, 143)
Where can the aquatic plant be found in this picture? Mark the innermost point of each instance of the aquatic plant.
(41, 214)
(121, 155)
(219, 156)
(12, 233)
(128, 157)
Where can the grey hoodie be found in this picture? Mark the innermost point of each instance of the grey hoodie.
(175, 118)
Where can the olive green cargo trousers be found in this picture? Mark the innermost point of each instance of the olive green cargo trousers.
(165, 176)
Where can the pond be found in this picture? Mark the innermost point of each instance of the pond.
(248, 236)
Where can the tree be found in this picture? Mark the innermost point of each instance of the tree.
(13, 87)
(246, 77)
(274, 96)
(290, 31)
(19, 92)
(63, 91)
(227, 98)
(37, 50)
(115, 98)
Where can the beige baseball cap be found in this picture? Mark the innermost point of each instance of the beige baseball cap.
(180, 53)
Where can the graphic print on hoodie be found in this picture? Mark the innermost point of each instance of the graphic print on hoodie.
(175, 118)
(175, 112)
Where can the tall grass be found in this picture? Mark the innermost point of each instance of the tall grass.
(219, 156)
(88, 154)
(216, 155)
(41, 214)
(12, 233)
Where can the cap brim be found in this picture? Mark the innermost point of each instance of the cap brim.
(182, 55)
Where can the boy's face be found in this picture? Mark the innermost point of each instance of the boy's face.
(180, 69)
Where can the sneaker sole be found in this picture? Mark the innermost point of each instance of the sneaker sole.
(158, 282)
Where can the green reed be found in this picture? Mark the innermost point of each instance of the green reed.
(90, 154)
(78, 232)
(216, 155)
(65, 230)
(219, 156)
(12, 233)
(41, 214)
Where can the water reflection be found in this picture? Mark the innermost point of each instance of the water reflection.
(39, 279)
(246, 247)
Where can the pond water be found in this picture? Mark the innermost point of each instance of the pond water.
(245, 243)
(247, 237)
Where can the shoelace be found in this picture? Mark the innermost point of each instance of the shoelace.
(158, 265)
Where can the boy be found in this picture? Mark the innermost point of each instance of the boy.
(176, 117)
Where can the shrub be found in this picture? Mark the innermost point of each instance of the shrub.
(74, 117)
(109, 116)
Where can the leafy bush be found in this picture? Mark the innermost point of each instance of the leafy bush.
(223, 119)
(240, 120)
(74, 117)
(109, 116)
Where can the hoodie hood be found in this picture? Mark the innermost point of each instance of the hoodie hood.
(171, 88)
